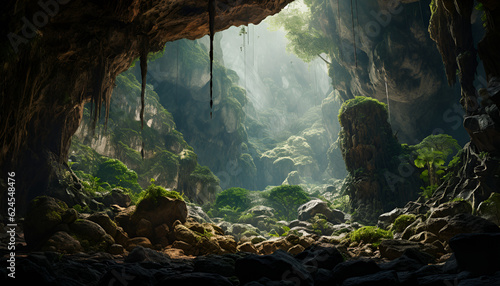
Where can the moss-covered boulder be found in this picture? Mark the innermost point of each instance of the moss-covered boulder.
(43, 217)
(490, 208)
(159, 210)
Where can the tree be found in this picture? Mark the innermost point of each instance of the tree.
(286, 199)
(307, 41)
(432, 153)
(230, 203)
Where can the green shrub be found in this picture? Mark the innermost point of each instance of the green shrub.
(115, 173)
(402, 222)
(370, 234)
(234, 198)
(286, 199)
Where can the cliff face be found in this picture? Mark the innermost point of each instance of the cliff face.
(59, 56)
(384, 51)
(477, 175)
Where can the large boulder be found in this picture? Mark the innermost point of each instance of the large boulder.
(43, 217)
(490, 208)
(313, 207)
(477, 252)
(62, 242)
(260, 210)
(116, 197)
(466, 223)
(197, 213)
(394, 248)
(160, 210)
(451, 209)
(105, 222)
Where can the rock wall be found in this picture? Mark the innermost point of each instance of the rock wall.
(168, 159)
(379, 43)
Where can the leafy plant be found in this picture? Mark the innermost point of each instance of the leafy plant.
(286, 199)
(432, 154)
(428, 191)
(117, 174)
(285, 232)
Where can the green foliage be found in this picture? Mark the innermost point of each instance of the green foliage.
(92, 185)
(341, 203)
(286, 199)
(117, 174)
(403, 221)
(81, 209)
(153, 192)
(230, 204)
(320, 224)
(234, 198)
(306, 40)
(203, 174)
(284, 231)
(428, 191)
(370, 234)
(432, 154)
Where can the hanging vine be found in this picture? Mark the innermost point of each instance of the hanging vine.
(211, 16)
(144, 70)
(354, 36)
(340, 30)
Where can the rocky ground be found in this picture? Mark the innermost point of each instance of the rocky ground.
(165, 241)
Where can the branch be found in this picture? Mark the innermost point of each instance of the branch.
(327, 62)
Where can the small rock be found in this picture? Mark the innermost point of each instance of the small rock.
(296, 249)
(105, 222)
(142, 254)
(116, 249)
(394, 248)
(88, 230)
(63, 242)
(144, 228)
(138, 241)
(116, 197)
(385, 219)
(320, 256)
(313, 207)
(246, 247)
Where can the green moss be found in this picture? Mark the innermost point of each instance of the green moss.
(370, 234)
(402, 222)
(153, 192)
(359, 101)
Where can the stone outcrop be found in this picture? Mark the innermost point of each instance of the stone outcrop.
(372, 157)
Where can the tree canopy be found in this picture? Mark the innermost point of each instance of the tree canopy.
(286, 199)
